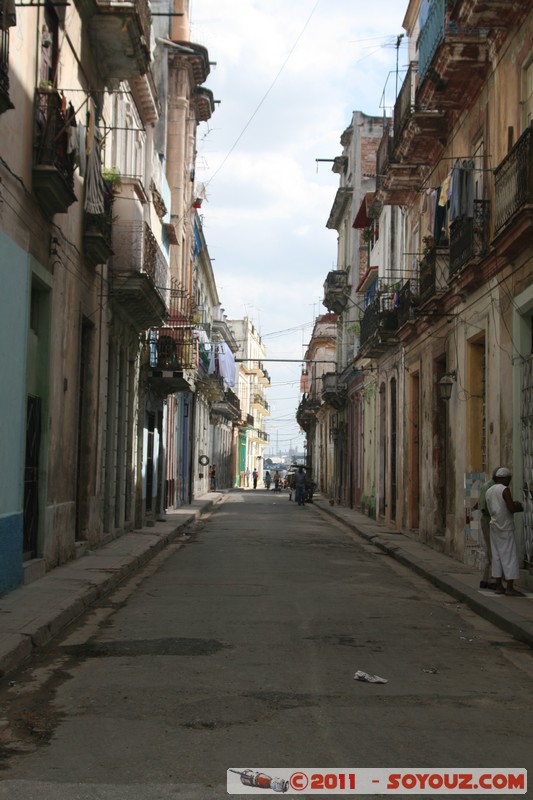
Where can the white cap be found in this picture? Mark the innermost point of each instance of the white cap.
(503, 472)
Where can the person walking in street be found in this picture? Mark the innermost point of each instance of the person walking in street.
(276, 481)
(255, 476)
(299, 486)
(502, 508)
(213, 477)
(268, 480)
(486, 581)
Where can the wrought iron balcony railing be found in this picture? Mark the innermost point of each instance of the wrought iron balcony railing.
(136, 251)
(172, 348)
(381, 315)
(434, 270)
(409, 300)
(513, 182)
(469, 236)
(431, 35)
(405, 102)
(384, 156)
(5, 102)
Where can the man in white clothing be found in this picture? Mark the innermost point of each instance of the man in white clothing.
(502, 507)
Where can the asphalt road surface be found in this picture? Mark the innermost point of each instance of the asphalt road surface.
(237, 647)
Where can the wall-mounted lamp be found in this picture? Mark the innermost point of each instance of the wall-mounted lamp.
(446, 385)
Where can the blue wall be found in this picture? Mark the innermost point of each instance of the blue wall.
(14, 302)
(11, 572)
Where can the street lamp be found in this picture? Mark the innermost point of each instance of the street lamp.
(446, 385)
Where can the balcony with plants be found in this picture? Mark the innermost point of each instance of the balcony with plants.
(53, 165)
(259, 404)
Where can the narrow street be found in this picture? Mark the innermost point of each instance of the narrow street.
(238, 646)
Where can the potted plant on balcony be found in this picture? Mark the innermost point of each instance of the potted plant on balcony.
(112, 177)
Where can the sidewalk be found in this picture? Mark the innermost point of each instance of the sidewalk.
(30, 616)
(512, 614)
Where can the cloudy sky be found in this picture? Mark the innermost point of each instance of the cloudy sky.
(288, 76)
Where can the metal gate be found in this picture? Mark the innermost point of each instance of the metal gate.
(31, 477)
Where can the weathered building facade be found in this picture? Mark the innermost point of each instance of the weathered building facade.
(447, 304)
(99, 106)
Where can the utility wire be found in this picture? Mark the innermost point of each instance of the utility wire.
(241, 134)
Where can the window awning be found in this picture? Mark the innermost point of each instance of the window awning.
(363, 218)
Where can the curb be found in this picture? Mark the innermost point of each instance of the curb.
(505, 619)
(32, 615)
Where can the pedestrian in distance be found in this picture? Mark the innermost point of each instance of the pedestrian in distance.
(299, 486)
(213, 477)
(255, 476)
(268, 480)
(277, 487)
(486, 581)
(502, 508)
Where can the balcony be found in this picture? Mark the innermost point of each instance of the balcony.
(119, 33)
(97, 233)
(419, 134)
(409, 301)
(264, 379)
(343, 198)
(379, 325)
(138, 274)
(453, 60)
(259, 404)
(5, 102)
(336, 291)
(211, 385)
(513, 196)
(487, 13)
(434, 270)
(332, 392)
(306, 412)
(469, 237)
(259, 435)
(204, 103)
(172, 366)
(229, 407)
(53, 166)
